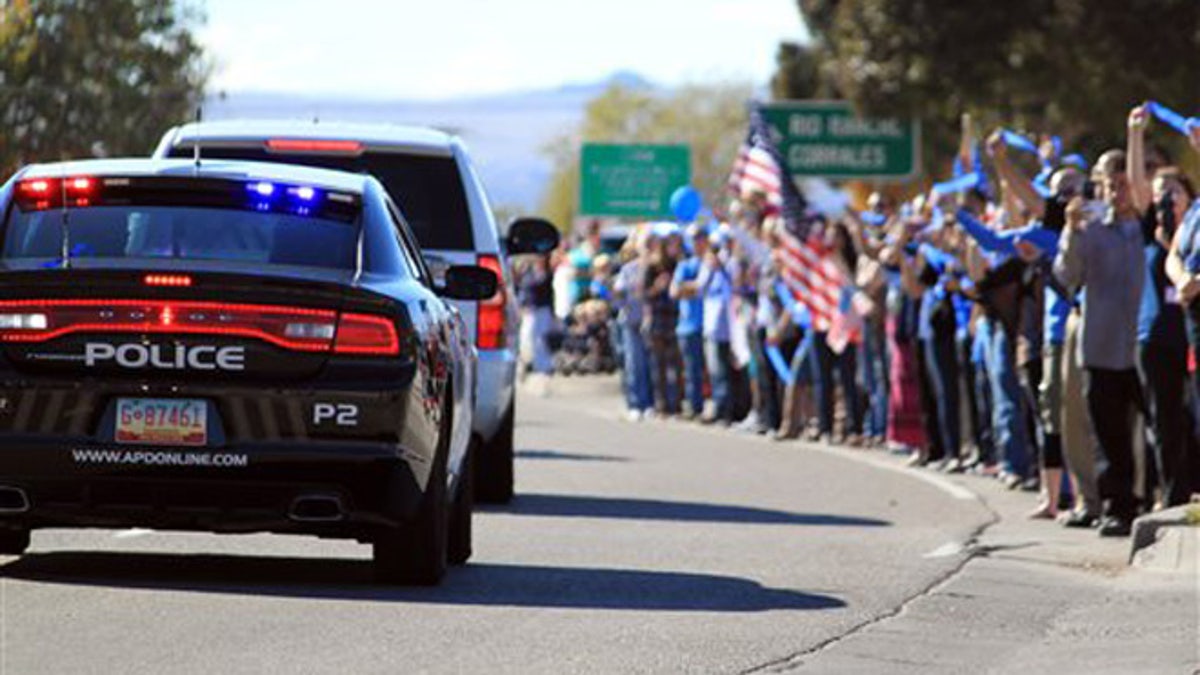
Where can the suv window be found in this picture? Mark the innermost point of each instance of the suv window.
(428, 190)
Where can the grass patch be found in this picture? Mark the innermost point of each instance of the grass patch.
(1192, 515)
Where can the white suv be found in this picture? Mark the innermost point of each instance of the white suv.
(430, 176)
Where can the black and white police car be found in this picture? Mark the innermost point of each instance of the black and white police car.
(232, 347)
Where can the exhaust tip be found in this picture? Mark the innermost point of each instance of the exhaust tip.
(317, 509)
(13, 500)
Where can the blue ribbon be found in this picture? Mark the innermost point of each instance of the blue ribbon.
(955, 185)
(1014, 140)
(872, 218)
(779, 363)
(1171, 118)
(1076, 160)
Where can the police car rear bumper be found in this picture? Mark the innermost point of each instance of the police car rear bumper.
(327, 489)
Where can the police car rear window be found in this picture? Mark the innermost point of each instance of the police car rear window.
(428, 190)
(293, 225)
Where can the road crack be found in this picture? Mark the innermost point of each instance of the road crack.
(973, 551)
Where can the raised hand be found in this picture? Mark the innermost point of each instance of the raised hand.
(1139, 118)
(1077, 215)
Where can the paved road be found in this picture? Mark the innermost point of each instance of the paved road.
(652, 547)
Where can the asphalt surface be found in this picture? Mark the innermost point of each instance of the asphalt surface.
(656, 547)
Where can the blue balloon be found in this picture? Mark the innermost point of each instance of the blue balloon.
(686, 202)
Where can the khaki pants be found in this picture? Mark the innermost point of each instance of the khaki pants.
(1079, 444)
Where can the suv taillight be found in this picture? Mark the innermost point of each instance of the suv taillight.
(489, 324)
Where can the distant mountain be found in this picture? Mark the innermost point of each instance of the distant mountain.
(505, 132)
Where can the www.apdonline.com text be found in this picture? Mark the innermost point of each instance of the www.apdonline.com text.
(159, 458)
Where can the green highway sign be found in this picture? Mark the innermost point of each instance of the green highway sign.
(826, 139)
(632, 181)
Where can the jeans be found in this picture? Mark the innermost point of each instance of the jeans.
(942, 361)
(825, 363)
(666, 368)
(873, 366)
(637, 370)
(978, 411)
(1008, 414)
(770, 407)
(719, 357)
(1112, 399)
(692, 349)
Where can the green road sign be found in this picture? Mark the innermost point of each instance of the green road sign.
(632, 181)
(826, 139)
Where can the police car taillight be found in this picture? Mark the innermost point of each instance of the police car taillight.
(366, 335)
(295, 328)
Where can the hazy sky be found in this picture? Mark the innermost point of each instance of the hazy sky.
(447, 48)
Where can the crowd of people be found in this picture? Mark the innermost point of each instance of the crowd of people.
(1041, 329)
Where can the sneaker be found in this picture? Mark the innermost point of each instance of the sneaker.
(1113, 526)
(1081, 519)
(633, 415)
(1011, 481)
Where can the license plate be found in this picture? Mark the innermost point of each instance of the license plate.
(162, 421)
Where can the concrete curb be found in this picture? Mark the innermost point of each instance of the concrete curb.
(1166, 540)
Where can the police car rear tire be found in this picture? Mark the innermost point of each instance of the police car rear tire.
(415, 554)
(13, 542)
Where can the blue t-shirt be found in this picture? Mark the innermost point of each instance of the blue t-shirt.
(1058, 310)
(691, 310)
(1160, 318)
(1189, 238)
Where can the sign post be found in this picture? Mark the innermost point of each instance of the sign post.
(826, 139)
(631, 181)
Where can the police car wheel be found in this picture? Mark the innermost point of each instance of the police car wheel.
(416, 553)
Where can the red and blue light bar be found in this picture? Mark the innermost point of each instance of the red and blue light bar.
(40, 194)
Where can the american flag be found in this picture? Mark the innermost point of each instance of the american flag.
(808, 270)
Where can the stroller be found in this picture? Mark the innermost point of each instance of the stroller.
(586, 346)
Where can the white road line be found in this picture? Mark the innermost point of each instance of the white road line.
(947, 550)
(131, 533)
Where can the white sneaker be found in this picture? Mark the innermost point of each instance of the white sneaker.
(749, 424)
(633, 415)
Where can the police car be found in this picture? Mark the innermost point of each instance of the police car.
(232, 347)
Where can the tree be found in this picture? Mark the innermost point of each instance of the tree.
(82, 78)
(711, 119)
(1068, 67)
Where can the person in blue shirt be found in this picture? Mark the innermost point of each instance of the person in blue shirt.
(937, 330)
(798, 406)
(1162, 337)
(715, 285)
(690, 326)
